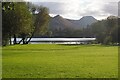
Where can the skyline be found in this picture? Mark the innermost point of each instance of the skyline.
(76, 9)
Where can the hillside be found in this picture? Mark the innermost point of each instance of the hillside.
(58, 22)
(84, 21)
(61, 27)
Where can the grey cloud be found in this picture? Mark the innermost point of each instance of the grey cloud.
(54, 7)
(107, 8)
(60, 8)
(119, 8)
(111, 8)
(90, 13)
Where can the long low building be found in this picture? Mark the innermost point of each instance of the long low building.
(60, 40)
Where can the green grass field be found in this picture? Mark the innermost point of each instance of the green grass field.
(60, 61)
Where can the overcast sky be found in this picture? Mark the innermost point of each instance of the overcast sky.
(75, 9)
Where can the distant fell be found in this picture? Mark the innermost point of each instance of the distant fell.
(58, 22)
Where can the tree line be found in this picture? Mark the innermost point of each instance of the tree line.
(107, 31)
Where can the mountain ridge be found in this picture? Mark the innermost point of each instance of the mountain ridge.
(58, 22)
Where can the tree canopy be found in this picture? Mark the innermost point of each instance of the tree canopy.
(19, 21)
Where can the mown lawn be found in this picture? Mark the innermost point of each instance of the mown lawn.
(60, 61)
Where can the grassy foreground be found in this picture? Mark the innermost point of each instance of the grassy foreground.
(60, 61)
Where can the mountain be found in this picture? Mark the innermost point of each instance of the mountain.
(87, 20)
(58, 22)
(61, 27)
(84, 21)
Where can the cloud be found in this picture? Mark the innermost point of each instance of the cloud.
(119, 9)
(111, 8)
(75, 9)
(54, 7)
(100, 9)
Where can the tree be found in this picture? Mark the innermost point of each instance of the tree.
(112, 28)
(16, 20)
(7, 21)
(25, 22)
(119, 30)
(41, 21)
(106, 31)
